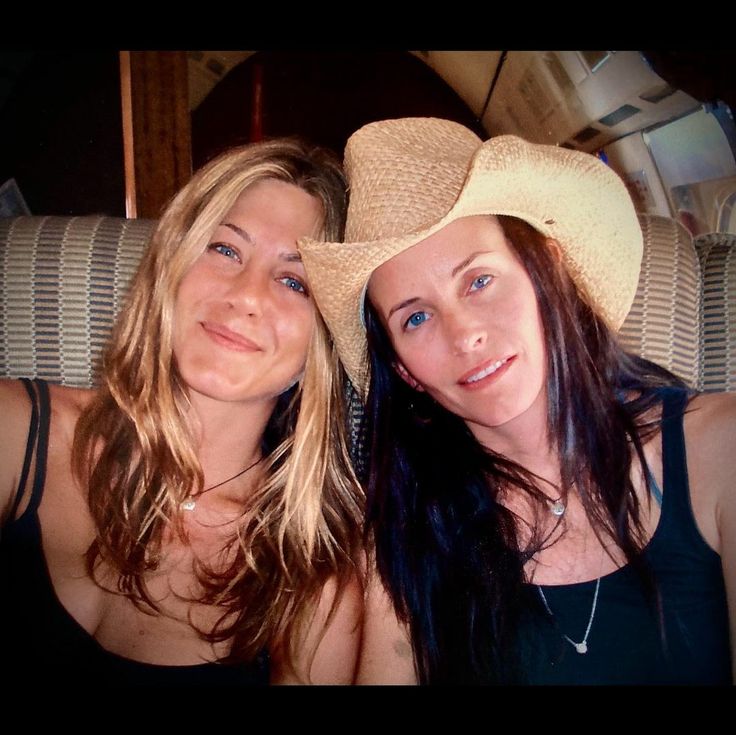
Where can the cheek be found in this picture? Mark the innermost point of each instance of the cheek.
(295, 331)
(182, 324)
(521, 311)
(534, 320)
(192, 288)
(421, 358)
(181, 301)
(534, 338)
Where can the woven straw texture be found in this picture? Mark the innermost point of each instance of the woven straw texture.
(62, 282)
(717, 252)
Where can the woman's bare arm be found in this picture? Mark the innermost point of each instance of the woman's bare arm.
(335, 642)
(386, 653)
(710, 436)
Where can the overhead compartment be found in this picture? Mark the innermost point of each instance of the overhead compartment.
(580, 99)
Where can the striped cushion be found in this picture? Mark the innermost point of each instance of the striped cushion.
(62, 282)
(664, 323)
(717, 252)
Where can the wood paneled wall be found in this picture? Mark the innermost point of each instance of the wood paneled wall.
(156, 129)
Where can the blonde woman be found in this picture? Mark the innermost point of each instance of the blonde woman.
(193, 520)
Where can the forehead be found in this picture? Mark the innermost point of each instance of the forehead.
(279, 206)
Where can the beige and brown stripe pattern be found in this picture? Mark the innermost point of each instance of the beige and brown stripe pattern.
(717, 252)
(62, 282)
(664, 322)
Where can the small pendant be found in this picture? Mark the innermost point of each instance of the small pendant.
(188, 504)
(581, 647)
(558, 508)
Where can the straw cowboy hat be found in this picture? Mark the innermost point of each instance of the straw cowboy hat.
(410, 177)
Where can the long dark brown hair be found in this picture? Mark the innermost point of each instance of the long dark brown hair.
(448, 551)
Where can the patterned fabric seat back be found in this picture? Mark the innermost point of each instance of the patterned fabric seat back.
(664, 324)
(64, 279)
(717, 253)
(62, 282)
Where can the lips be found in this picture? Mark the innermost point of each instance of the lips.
(486, 372)
(229, 339)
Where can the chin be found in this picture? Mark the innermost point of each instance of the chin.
(216, 384)
(221, 387)
(521, 410)
(498, 413)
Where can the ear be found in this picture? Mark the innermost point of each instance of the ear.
(555, 249)
(407, 377)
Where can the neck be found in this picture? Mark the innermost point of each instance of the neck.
(229, 435)
(524, 439)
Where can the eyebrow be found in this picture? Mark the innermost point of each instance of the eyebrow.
(468, 261)
(408, 302)
(290, 257)
(239, 231)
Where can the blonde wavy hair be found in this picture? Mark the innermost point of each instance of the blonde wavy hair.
(135, 451)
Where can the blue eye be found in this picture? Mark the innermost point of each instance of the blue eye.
(480, 282)
(416, 320)
(225, 249)
(294, 284)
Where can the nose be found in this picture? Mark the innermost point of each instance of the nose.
(249, 292)
(465, 333)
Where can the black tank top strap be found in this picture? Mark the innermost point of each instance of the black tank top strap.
(30, 445)
(676, 508)
(674, 466)
(38, 440)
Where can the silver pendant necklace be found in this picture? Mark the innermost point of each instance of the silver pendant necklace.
(581, 647)
(556, 507)
(190, 502)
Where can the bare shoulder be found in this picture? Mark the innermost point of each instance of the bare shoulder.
(67, 403)
(386, 655)
(328, 650)
(15, 408)
(710, 423)
(14, 400)
(70, 400)
(710, 440)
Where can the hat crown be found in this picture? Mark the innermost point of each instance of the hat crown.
(405, 175)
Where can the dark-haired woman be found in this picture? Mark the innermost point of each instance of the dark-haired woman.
(545, 507)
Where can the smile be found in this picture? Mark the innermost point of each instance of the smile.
(485, 372)
(224, 336)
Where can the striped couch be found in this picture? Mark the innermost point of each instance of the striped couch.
(63, 280)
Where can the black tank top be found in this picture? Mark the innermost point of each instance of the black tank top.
(626, 645)
(41, 640)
